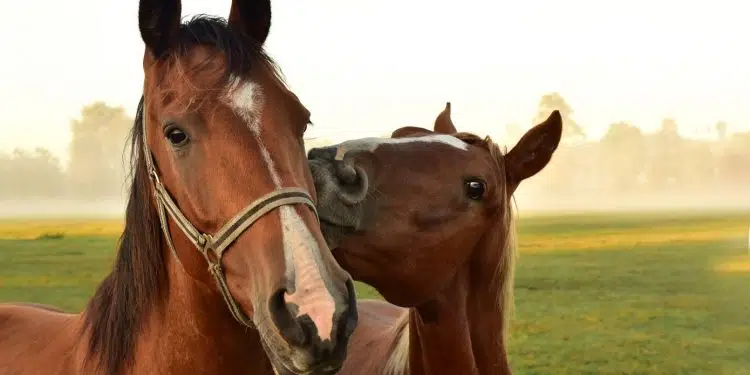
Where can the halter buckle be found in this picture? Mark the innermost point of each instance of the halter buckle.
(154, 176)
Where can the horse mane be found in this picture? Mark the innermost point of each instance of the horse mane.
(504, 273)
(138, 280)
(398, 361)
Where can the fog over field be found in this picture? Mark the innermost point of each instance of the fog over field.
(61, 208)
(626, 170)
(655, 116)
(525, 203)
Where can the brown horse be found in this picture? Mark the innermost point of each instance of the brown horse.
(222, 267)
(426, 218)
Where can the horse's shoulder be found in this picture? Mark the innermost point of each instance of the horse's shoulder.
(17, 313)
(40, 306)
(32, 321)
(33, 333)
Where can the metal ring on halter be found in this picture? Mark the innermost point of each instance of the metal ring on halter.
(224, 237)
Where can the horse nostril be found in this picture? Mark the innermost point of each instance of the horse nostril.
(347, 174)
(352, 183)
(289, 327)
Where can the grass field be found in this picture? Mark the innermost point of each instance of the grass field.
(596, 293)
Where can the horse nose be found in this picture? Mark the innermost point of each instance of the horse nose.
(301, 331)
(352, 181)
(322, 153)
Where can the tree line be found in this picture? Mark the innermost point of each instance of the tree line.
(96, 166)
(626, 161)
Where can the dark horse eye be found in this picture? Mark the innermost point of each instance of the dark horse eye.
(474, 189)
(176, 136)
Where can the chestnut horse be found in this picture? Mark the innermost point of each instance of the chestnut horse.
(425, 217)
(222, 267)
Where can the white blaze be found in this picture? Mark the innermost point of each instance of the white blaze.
(371, 144)
(301, 250)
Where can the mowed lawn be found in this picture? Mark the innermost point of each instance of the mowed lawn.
(595, 294)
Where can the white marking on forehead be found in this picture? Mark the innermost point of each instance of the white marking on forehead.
(371, 144)
(246, 99)
(302, 255)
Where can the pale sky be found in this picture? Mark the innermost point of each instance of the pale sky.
(366, 67)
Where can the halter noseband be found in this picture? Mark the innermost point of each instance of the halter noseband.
(217, 243)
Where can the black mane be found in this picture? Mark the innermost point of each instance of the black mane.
(138, 280)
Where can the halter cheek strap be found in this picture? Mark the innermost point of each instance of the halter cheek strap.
(212, 247)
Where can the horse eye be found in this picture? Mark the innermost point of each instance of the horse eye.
(308, 124)
(475, 189)
(176, 136)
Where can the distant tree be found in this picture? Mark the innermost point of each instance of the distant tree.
(667, 149)
(31, 174)
(668, 130)
(625, 155)
(9, 183)
(572, 131)
(740, 142)
(622, 134)
(96, 150)
(698, 167)
(721, 130)
(734, 169)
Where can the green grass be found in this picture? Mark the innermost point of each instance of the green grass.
(595, 294)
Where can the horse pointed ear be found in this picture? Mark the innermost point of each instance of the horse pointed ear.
(533, 151)
(159, 23)
(253, 17)
(443, 123)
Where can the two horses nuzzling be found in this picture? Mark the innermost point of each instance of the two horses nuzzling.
(222, 267)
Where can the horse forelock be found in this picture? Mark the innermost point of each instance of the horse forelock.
(230, 61)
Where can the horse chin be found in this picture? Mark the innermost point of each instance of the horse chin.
(284, 362)
(281, 368)
(334, 233)
(401, 299)
(279, 358)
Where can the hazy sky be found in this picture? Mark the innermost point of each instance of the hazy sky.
(369, 66)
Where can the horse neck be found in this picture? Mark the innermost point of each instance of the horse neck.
(193, 331)
(462, 330)
(491, 272)
(440, 339)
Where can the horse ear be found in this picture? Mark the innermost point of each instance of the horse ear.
(159, 23)
(534, 150)
(443, 123)
(253, 17)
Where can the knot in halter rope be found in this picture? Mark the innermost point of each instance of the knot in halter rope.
(212, 247)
